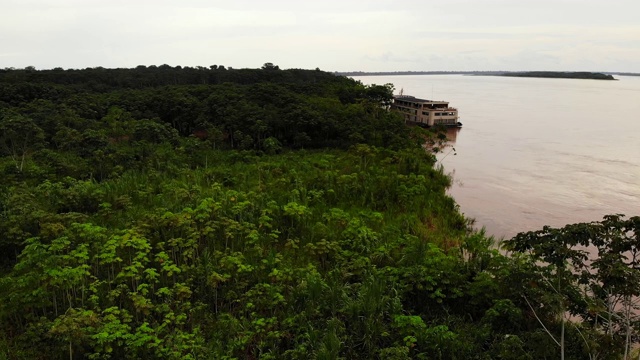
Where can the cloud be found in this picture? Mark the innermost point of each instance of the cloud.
(333, 35)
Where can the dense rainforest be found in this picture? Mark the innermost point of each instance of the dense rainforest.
(220, 213)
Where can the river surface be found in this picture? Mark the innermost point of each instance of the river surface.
(535, 152)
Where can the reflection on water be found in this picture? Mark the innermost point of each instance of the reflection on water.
(535, 152)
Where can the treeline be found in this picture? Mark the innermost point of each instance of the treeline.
(101, 79)
(538, 74)
(392, 73)
(561, 75)
(246, 109)
(272, 219)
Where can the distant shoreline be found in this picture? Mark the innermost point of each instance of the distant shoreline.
(386, 73)
(543, 74)
(561, 75)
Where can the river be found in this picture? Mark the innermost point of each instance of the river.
(535, 152)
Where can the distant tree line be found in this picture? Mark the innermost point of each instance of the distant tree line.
(384, 73)
(540, 74)
(560, 75)
(238, 109)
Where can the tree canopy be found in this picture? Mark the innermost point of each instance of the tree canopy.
(212, 212)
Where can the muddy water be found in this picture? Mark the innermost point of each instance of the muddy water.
(535, 152)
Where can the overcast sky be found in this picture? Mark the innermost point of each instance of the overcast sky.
(334, 35)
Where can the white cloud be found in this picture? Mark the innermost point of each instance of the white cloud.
(332, 34)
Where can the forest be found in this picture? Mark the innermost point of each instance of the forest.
(561, 75)
(220, 213)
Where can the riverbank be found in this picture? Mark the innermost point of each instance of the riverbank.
(531, 154)
(560, 75)
(541, 74)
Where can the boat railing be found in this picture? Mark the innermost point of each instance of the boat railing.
(411, 106)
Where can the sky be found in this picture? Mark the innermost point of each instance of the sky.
(333, 35)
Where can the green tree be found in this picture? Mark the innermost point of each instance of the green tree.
(19, 137)
(270, 66)
(593, 272)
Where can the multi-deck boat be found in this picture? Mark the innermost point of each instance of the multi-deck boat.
(426, 112)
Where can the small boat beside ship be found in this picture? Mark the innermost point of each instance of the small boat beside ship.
(425, 112)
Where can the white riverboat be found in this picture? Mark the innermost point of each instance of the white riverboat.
(425, 112)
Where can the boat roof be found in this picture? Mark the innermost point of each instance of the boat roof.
(414, 99)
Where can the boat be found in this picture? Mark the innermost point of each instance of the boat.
(426, 113)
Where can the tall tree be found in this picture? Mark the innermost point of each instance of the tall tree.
(19, 136)
(594, 271)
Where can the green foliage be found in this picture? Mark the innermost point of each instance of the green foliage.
(591, 271)
(19, 136)
(177, 213)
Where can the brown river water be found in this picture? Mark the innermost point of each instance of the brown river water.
(535, 152)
